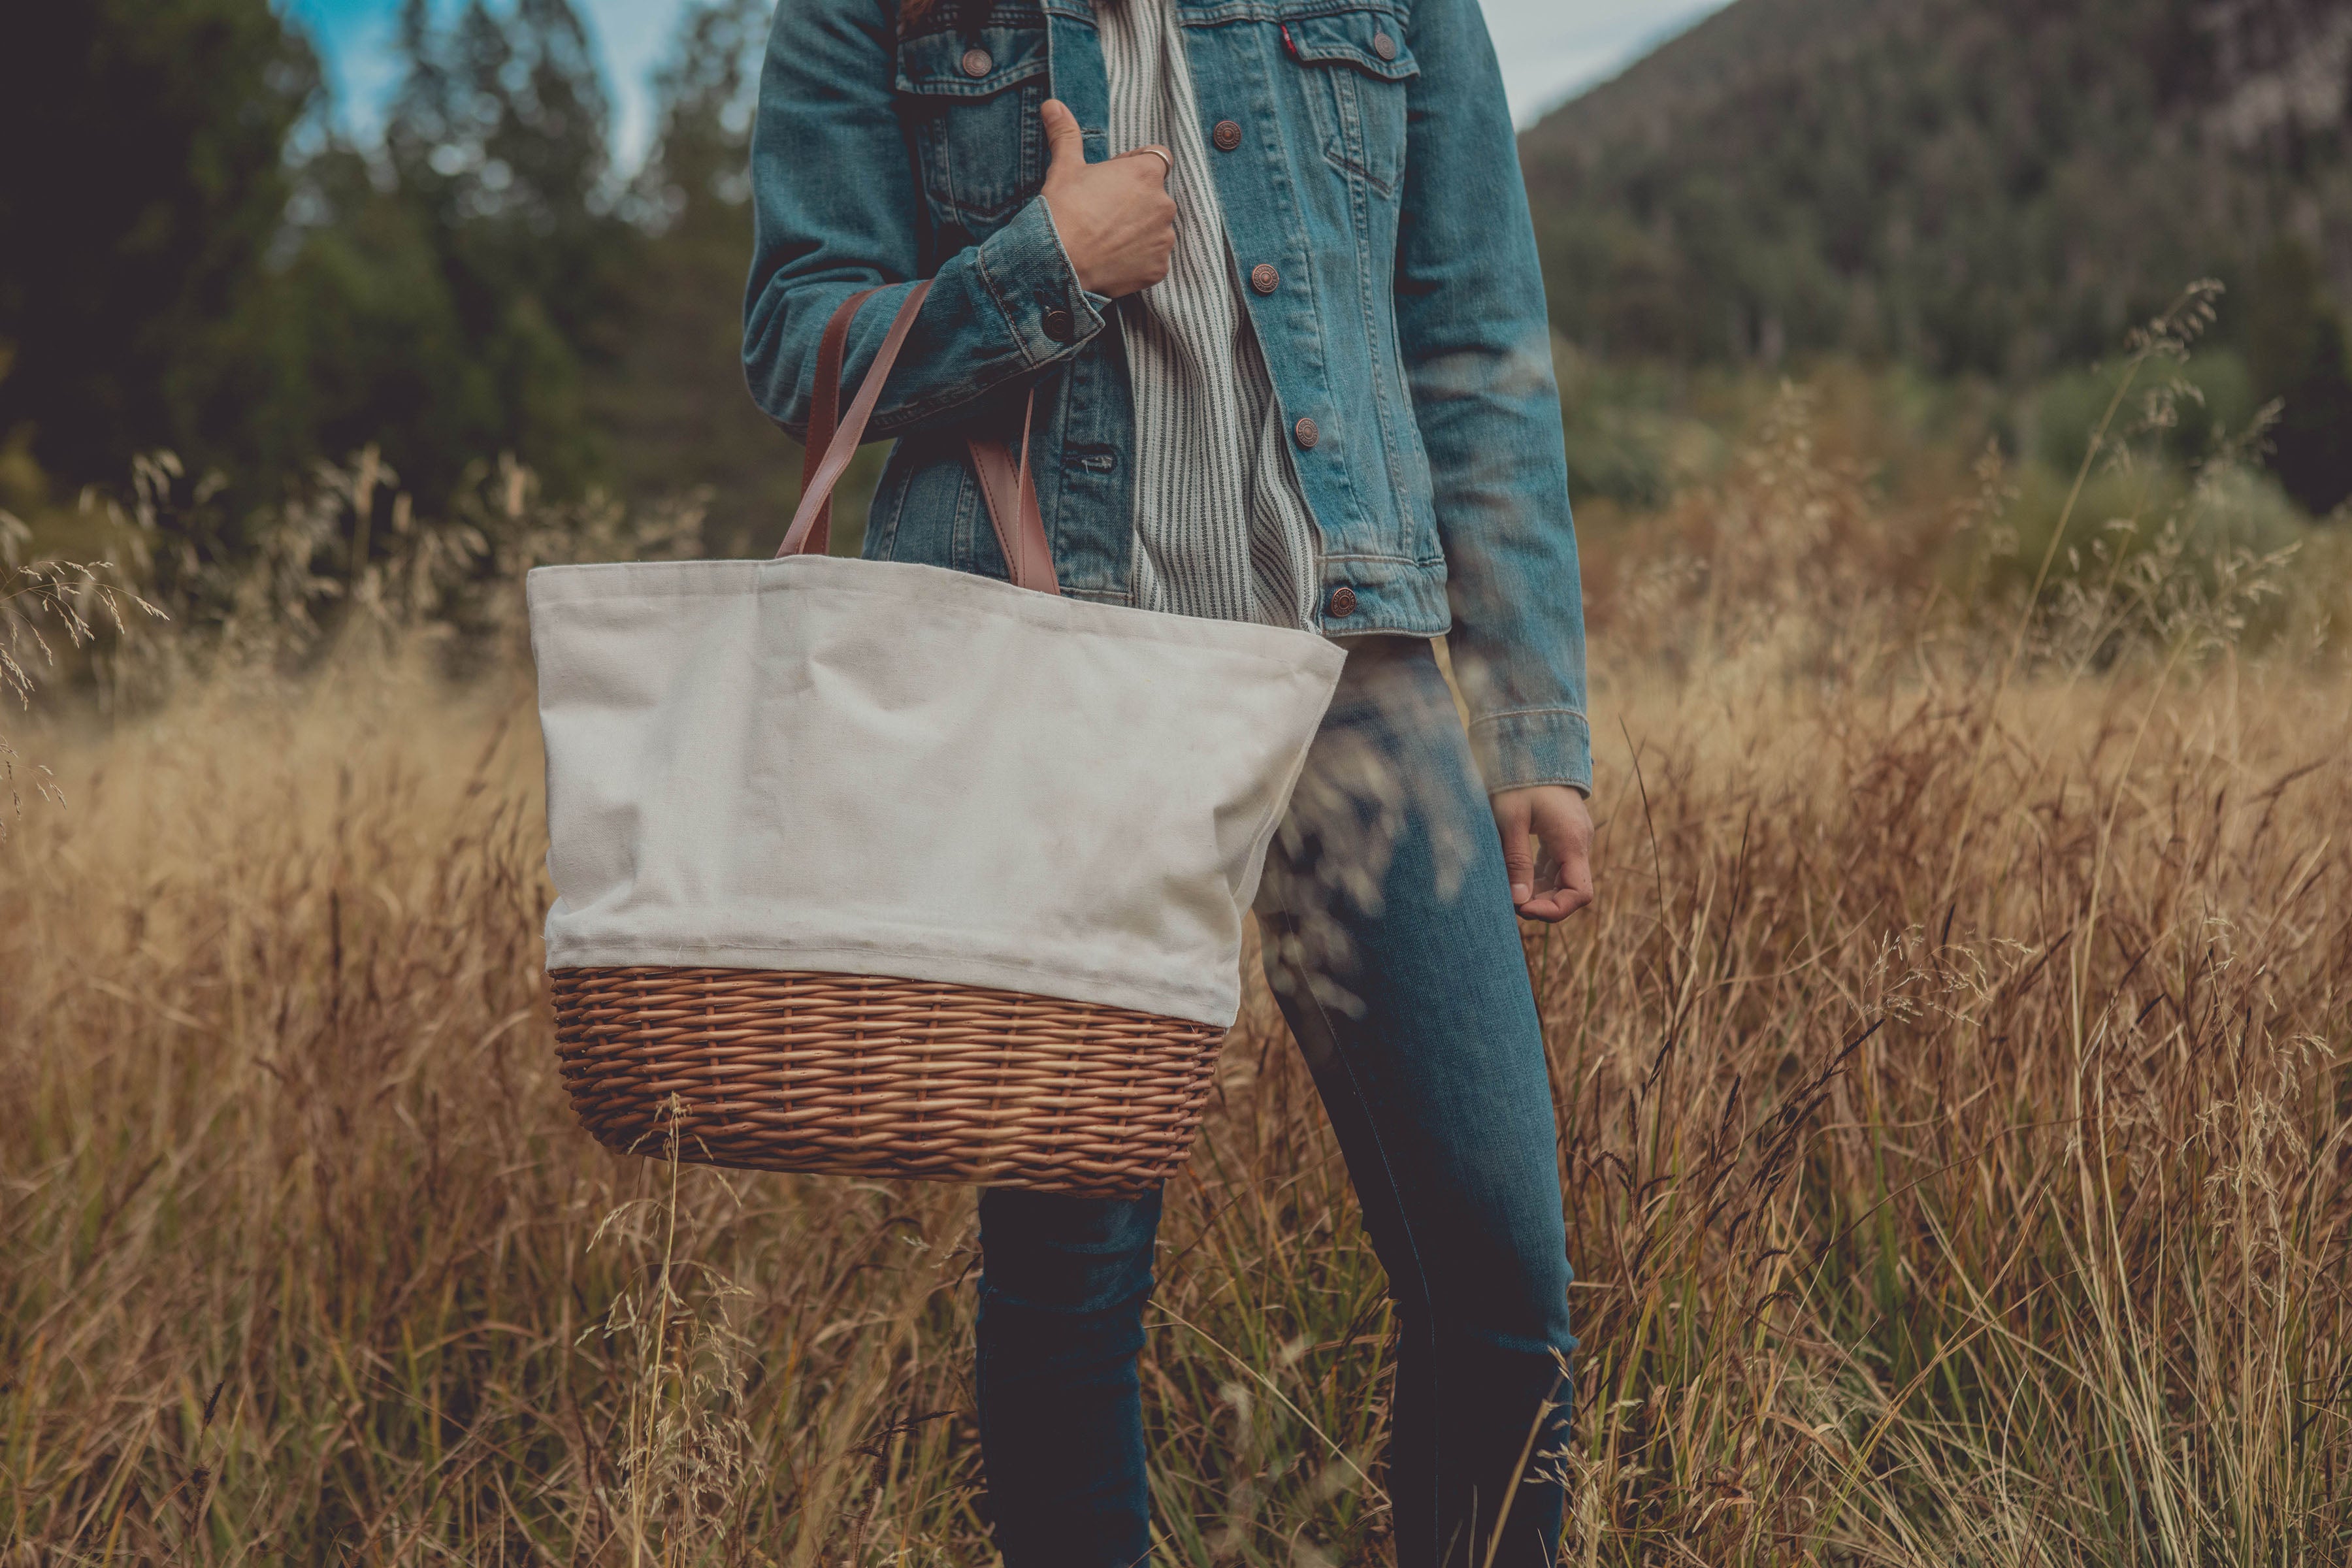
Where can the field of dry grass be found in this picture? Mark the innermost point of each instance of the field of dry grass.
(1952, 1083)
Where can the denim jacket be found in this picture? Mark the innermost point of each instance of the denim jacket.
(1363, 153)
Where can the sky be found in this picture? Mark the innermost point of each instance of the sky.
(1549, 48)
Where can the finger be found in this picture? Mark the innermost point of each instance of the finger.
(1565, 828)
(1064, 142)
(1553, 908)
(1566, 836)
(1573, 892)
(1518, 857)
(1159, 155)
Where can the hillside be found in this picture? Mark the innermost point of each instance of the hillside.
(1997, 186)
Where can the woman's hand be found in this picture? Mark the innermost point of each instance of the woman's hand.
(1557, 816)
(1116, 220)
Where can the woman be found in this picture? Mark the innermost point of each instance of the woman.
(1268, 267)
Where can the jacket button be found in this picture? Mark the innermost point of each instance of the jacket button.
(1383, 45)
(1059, 325)
(978, 62)
(1227, 135)
(1307, 432)
(1264, 278)
(1343, 603)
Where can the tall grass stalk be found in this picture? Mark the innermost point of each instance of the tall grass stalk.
(2167, 337)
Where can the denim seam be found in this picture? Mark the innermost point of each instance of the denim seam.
(1005, 308)
(1582, 786)
(943, 403)
(1386, 558)
(1404, 1224)
(1490, 717)
(1012, 313)
(961, 531)
(1314, 368)
(1361, 187)
(1336, 149)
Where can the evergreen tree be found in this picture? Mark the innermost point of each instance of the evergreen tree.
(143, 185)
(2298, 352)
(674, 400)
(1993, 187)
(372, 349)
(497, 145)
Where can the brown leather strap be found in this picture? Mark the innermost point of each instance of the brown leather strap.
(1007, 484)
(824, 410)
(816, 490)
(1012, 496)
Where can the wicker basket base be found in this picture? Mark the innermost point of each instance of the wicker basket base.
(856, 1075)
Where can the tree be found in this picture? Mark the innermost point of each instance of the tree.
(371, 346)
(498, 145)
(674, 399)
(188, 260)
(2298, 352)
(143, 185)
(1978, 187)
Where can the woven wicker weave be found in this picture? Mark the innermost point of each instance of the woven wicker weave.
(853, 1075)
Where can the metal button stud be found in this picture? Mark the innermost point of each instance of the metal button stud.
(1059, 325)
(1227, 135)
(978, 62)
(1307, 432)
(1264, 278)
(1384, 46)
(1343, 603)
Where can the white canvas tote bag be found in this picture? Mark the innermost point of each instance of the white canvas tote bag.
(865, 866)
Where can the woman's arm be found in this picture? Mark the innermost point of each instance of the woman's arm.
(836, 211)
(1478, 350)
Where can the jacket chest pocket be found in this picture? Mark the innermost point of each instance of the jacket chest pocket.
(971, 105)
(1356, 66)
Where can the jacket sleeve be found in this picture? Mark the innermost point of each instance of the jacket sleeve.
(836, 210)
(1477, 343)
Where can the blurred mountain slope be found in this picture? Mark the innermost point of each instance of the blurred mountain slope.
(1967, 186)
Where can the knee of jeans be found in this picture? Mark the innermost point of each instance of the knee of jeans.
(1053, 1253)
(1517, 1301)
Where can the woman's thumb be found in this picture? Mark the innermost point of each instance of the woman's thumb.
(1064, 142)
(1511, 814)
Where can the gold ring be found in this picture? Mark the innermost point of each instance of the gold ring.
(1168, 164)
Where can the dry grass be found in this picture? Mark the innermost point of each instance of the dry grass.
(1952, 1089)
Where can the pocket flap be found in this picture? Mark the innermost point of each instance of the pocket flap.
(958, 65)
(1371, 41)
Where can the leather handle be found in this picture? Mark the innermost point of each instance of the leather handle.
(824, 413)
(1005, 484)
(1012, 495)
(816, 489)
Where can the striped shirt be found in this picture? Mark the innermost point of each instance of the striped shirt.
(1221, 527)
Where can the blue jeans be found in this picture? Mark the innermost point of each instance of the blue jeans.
(1391, 945)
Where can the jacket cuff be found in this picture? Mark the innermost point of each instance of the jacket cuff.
(1533, 746)
(1028, 274)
